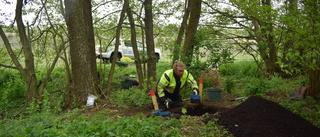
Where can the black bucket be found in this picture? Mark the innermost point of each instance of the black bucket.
(126, 83)
(214, 94)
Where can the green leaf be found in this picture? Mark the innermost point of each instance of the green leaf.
(184, 110)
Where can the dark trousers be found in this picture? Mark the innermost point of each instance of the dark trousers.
(176, 100)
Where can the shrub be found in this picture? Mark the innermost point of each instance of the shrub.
(239, 69)
(258, 86)
(126, 60)
(131, 97)
(229, 84)
(255, 87)
(12, 91)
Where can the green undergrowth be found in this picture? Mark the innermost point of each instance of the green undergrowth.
(193, 125)
(12, 92)
(308, 108)
(240, 69)
(77, 123)
(46, 118)
(130, 97)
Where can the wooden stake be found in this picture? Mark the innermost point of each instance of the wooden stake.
(200, 88)
(154, 100)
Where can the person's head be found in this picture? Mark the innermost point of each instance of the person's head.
(178, 68)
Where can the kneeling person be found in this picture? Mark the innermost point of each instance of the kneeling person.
(169, 85)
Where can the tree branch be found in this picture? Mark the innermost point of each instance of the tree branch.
(103, 3)
(231, 17)
(106, 16)
(138, 15)
(160, 13)
(62, 10)
(11, 53)
(7, 66)
(36, 18)
(41, 33)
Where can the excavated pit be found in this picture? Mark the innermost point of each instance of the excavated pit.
(197, 110)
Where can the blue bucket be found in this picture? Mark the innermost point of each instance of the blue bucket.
(195, 98)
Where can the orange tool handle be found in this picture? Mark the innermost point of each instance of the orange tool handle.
(154, 100)
(200, 88)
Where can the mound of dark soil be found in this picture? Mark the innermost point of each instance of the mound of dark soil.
(258, 117)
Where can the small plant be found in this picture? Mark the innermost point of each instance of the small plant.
(184, 111)
(214, 130)
(206, 115)
(229, 84)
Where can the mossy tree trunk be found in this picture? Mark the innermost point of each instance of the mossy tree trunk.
(119, 26)
(187, 49)
(151, 66)
(135, 48)
(184, 23)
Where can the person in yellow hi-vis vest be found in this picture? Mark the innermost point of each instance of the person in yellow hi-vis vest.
(169, 85)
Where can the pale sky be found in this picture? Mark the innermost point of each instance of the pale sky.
(7, 12)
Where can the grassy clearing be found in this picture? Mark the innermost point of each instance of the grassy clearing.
(49, 119)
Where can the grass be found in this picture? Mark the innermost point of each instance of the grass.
(50, 120)
(76, 123)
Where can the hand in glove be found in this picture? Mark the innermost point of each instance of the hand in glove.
(195, 91)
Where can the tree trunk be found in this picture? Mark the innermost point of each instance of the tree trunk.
(151, 66)
(30, 76)
(81, 37)
(143, 50)
(314, 82)
(68, 93)
(144, 68)
(34, 90)
(135, 48)
(187, 49)
(266, 45)
(314, 73)
(124, 9)
(181, 32)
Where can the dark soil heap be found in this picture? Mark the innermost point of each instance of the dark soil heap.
(258, 117)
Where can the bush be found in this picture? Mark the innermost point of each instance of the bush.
(259, 86)
(255, 87)
(56, 86)
(126, 60)
(12, 91)
(131, 97)
(239, 69)
(229, 84)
